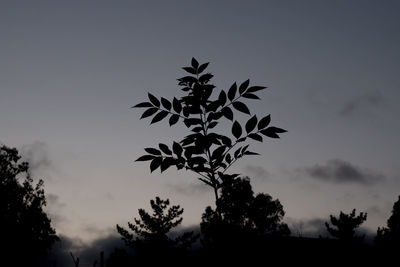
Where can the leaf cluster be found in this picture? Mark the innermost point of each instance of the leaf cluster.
(204, 150)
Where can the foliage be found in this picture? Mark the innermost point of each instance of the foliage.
(205, 151)
(344, 226)
(150, 231)
(240, 213)
(24, 226)
(390, 235)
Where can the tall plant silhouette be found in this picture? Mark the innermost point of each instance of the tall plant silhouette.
(151, 229)
(390, 235)
(205, 151)
(344, 226)
(25, 228)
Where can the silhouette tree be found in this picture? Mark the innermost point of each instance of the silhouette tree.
(345, 226)
(150, 231)
(205, 151)
(241, 215)
(390, 235)
(25, 228)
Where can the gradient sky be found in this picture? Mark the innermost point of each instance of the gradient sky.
(71, 70)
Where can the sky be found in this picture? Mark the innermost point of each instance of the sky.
(70, 71)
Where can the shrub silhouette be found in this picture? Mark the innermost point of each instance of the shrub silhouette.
(150, 230)
(344, 226)
(25, 228)
(390, 235)
(241, 216)
(205, 151)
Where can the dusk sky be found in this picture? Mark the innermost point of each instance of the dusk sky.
(71, 70)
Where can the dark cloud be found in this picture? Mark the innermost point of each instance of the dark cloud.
(308, 228)
(188, 189)
(316, 228)
(37, 155)
(257, 171)
(362, 102)
(339, 171)
(87, 253)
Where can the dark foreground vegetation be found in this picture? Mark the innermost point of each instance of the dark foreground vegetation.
(243, 227)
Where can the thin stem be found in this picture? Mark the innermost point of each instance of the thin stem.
(208, 155)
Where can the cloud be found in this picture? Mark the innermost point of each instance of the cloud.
(315, 228)
(37, 155)
(188, 189)
(54, 210)
(257, 171)
(362, 102)
(54, 201)
(342, 172)
(94, 230)
(87, 253)
(307, 228)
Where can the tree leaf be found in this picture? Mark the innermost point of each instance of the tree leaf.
(190, 70)
(218, 152)
(153, 151)
(253, 89)
(250, 153)
(174, 119)
(177, 105)
(205, 78)
(191, 121)
(227, 113)
(202, 67)
(241, 139)
(241, 107)
(264, 122)
(197, 129)
(225, 140)
(222, 98)
(143, 105)
(236, 129)
(250, 96)
(194, 62)
(166, 104)
(177, 149)
(270, 133)
(228, 158)
(155, 163)
(145, 158)
(276, 129)
(236, 154)
(212, 124)
(256, 137)
(164, 148)
(232, 92)
(251, 124)
(149, 112)
(154, 100)
(197, 160)
(166, 163)
(244, 86)
(161, 115)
